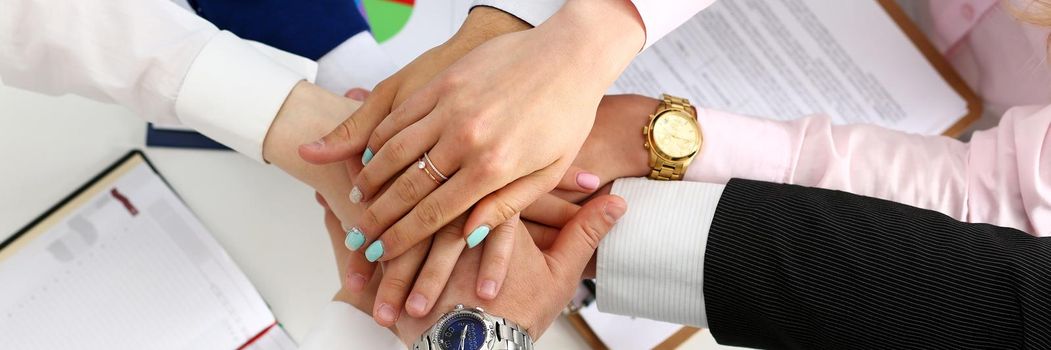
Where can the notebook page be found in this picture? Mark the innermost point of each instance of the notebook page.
(274, 338)
(103, 278)
(792, 58)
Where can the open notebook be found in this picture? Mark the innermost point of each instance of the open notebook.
(123, 264)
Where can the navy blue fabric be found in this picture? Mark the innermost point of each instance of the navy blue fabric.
(179, 139)
(309, 28)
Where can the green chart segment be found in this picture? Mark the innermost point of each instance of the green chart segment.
(386, 17)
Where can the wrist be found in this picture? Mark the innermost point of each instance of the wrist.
(308, 113)
(477, 322)
(482, 24)
(618, 127)
(617, 34)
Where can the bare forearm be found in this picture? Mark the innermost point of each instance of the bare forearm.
(596, 38)
(484, 23)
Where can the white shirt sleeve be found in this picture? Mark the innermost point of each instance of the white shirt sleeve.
(533, 12)
(652, 263)
(164, 63)
(662, 16)
(341, 326)
(659, 16)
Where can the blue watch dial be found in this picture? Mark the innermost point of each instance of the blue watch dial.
(463, 332)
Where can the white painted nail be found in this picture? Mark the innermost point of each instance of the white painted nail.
(355, 195)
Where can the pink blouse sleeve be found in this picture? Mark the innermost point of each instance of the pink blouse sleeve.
(1002, 176)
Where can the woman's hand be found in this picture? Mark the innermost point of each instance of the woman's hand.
(482, 23)
(503, 124)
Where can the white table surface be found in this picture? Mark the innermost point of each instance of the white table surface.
(268, 222)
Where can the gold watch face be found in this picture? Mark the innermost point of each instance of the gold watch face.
(676, 134)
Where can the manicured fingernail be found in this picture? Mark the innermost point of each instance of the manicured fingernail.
(477, 236)
(386, 313)
(355, 238)
(356, 282)
(355, 195)
(375, 251)
(316, 145)
(587, 180)
(614, 210)
(417, 303)
(487, 290)
(357, 94)
(367, 156)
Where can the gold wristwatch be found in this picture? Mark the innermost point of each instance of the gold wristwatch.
(673, 138)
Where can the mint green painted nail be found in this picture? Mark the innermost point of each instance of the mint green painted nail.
(477, 236)
(354, 238)
(367, 156)
(375, 251)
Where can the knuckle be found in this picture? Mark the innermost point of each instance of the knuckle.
(430, 281)
(566, 213)
(351, 126)
(393, 240)
(406, 191)
(400, 111)
(364, 179)
(469, 138)
(473, 133)
(369, 221)
(497, 261)
(344, 132)
(429, 214)
(448, 232)
(393, 282)
(385, 85)
(591, 235)
(504, 209)
(396, 149)
(452, 79)
(491, 168)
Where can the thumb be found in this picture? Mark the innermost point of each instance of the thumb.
(349, 137)
(357, 94)
(335, 146)
(579, 239)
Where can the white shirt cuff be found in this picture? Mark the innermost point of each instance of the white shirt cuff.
(651, 264)
(662, 17)
(533, 12)
(234, 89)
(341, 326)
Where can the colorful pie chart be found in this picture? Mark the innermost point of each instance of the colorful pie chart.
(386, 17)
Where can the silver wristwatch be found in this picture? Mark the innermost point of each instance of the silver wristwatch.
(473, 329)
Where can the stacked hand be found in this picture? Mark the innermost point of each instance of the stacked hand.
(609, 149)
(546, 266)
(612, 150)
(490, 130)
(460, 133)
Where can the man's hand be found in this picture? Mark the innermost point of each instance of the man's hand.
(614, 148)
(543, 276)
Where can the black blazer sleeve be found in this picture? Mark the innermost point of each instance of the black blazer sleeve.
(802, 268)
